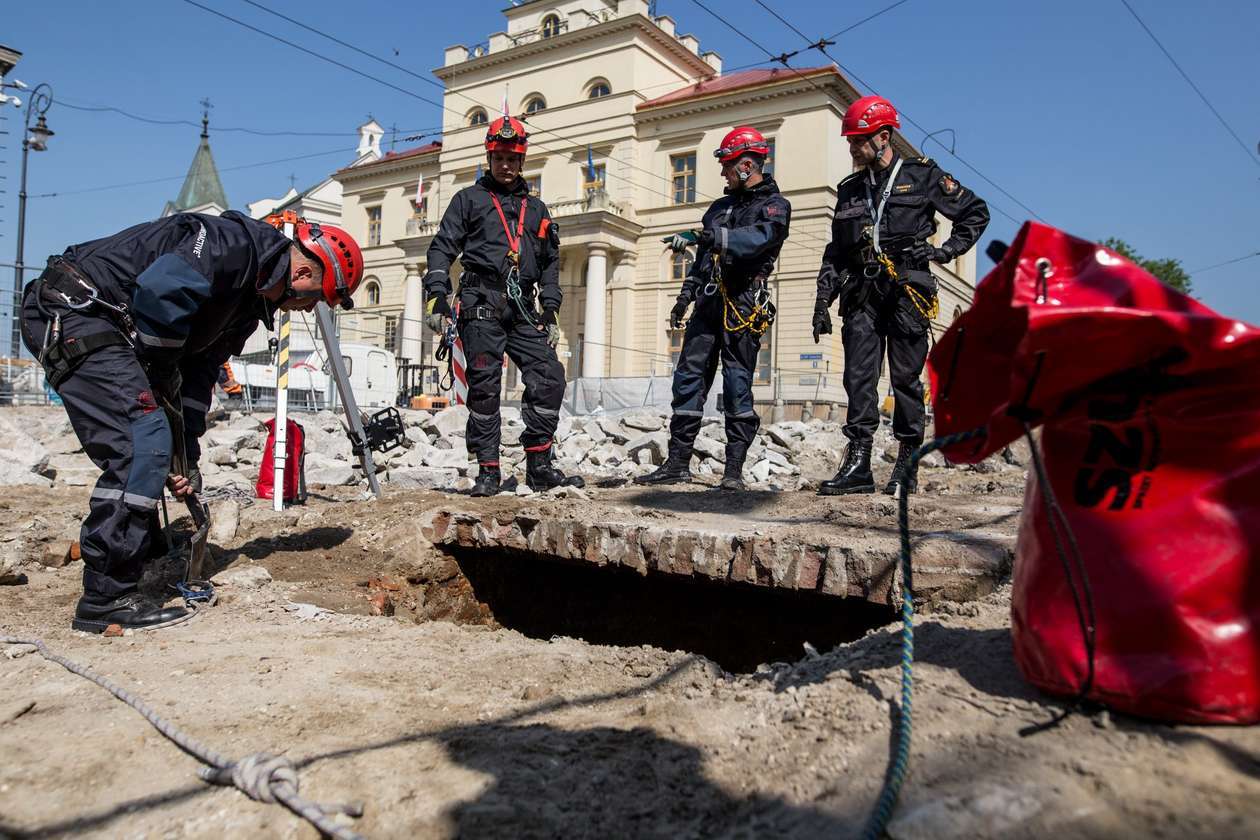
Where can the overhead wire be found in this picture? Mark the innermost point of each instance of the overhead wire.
(821, 46)
(1190, 82)
(1243, 258)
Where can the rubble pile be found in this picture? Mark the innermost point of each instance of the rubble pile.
(602, 447)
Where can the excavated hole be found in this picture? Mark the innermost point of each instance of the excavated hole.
(738, 626)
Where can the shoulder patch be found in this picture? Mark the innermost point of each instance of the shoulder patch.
(926, 161)
(948, 185)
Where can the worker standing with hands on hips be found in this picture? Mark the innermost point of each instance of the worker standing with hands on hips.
(877, 265)
(736, 250)
(136, 325)
(510, 251)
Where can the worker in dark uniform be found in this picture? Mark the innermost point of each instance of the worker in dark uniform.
(134, 322)
(877, 264)
(510, 252)
(736, 250)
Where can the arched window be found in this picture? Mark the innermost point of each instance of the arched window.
(373, 292)
(957, 314)
(551, 26)
(597, 88)
(477, 116)
(535, 104)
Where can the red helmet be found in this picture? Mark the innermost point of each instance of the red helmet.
(739, 141)
(507, 134)
(868, 115)
(339, 255)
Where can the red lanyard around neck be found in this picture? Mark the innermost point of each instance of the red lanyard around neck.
(514, 244)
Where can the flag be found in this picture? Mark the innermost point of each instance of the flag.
(506, 113)
(419, 191)
(590, 165)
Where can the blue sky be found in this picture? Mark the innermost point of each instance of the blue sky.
(1068, 106)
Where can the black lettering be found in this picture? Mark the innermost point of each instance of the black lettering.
(1126, 453)
(1091, 493)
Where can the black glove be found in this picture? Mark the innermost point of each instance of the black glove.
(822, 320)
(677, 314)
(707, 237)
(926, 252)
(437, 312)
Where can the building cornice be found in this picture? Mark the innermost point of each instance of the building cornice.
(670, 44)
(833, 84)
(387, 166)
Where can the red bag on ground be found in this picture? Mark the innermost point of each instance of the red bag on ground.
(294, 465)
(1149, 405)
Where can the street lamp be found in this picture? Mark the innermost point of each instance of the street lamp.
(34, 137)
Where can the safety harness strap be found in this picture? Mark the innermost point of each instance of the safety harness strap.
(877, 213)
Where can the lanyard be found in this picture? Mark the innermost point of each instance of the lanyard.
(514, 244)
(878, 213)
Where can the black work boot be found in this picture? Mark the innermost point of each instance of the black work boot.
(904, 478)
(673, 471)
(487, 482)
(132, 611)
(541, 474)
(854, 475)
(733, 474)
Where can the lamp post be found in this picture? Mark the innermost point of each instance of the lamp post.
(33, 138)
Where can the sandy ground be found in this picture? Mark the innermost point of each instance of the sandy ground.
(445, 729)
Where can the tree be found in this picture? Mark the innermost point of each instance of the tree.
(1167, 271)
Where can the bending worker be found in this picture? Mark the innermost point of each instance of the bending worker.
(877, 264)
(130, 323)
(736, 250)
(510, 254)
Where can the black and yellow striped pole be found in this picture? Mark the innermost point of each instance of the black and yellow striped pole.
(280, 454)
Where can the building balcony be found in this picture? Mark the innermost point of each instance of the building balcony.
(419, 227)
(595, 200)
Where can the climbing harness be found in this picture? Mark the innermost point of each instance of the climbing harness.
(513, 279)
(59, 353)
(260, 776)
(763, 312)
(877, 212)
(878, 262)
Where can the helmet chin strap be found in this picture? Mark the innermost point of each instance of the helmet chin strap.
(878, 150)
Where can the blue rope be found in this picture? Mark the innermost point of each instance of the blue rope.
(899, 761)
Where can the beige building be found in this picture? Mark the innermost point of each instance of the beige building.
(603, 76)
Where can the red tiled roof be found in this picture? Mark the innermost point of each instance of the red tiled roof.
(390, 157)
(736, 81)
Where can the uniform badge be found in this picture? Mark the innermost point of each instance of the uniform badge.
(772, 210)
(948, 185)
(903, 188)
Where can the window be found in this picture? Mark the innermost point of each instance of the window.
(957, 314)
(420, 209)
(477, 117)
(683, 169)
(768, 166)
(391, 333)
(597, 89)
(374, 226)
(373, 293)
(761, 376)
(535, 104)
(535, 185)
(679, 266)
(675, 347)
(551, 26)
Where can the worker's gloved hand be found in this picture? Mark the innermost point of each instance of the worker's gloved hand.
(679, 312)
(549, 322)
(437, 313)
(927, 252)
(680, 242)
(822, 320)
(707, 237)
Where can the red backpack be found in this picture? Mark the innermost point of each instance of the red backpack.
(294, 467)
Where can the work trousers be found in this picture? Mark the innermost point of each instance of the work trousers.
(884, 322)
(489, 326)
(705, 343)
(126, 434)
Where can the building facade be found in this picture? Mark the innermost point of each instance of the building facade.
(604, 83)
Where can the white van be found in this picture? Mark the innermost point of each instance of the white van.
(373, 379)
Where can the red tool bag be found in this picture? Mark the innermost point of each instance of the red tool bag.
(294, 465)
(1149, 405)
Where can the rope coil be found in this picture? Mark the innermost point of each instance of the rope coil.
(261, 776)
(758, 320)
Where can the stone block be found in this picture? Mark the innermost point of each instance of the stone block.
(221, 455)
(643, 421)
(655, 444)
(326, 471)
(708, 447)
(612, 427)
(450, 422)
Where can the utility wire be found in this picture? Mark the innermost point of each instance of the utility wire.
(1243, 258)
(821, 46)
(181, 177)
(194, 124)
(1190, 82)
(866, 19)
